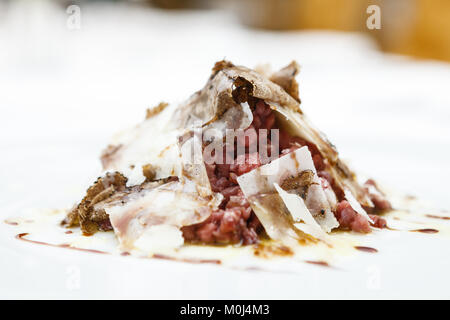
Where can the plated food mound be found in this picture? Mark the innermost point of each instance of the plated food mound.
(237, 163)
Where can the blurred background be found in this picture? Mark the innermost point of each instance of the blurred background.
(375, 78)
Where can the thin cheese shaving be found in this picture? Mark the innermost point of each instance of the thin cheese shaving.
(259, 186)
(159, 238)
(355, 205)
(300, 213)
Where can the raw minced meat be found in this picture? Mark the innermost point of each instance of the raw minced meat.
(235, 221)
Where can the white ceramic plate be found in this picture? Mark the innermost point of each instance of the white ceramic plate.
(407, 264)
